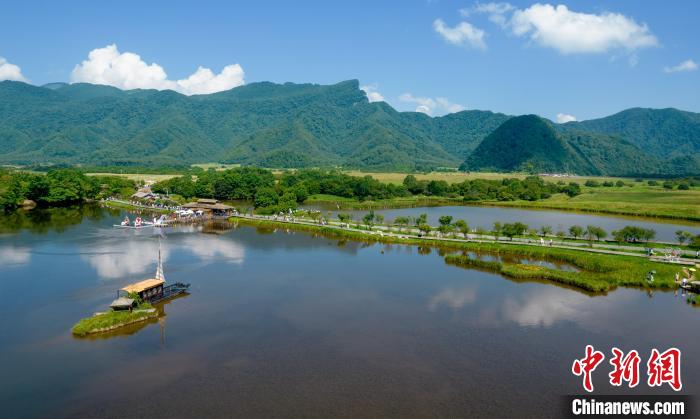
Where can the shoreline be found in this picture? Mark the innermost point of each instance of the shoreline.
(444, 202)
(600, 271)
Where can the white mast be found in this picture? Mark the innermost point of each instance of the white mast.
(159, 270)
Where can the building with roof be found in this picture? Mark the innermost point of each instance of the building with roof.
(210, 206)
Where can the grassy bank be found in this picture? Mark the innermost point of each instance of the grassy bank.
(672, 205)
(113, 319)
(598, 272)
(638, 201)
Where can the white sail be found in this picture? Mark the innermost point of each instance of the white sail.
(159, 270)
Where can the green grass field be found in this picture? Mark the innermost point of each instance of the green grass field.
(638, 200)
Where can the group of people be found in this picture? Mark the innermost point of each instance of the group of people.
(138, 222)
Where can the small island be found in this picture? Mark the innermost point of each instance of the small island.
(134, 304)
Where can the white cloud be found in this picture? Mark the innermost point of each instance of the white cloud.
(685, 66)
(10, 71)
(563, 118)
(572, 32)
(464, 34)
(128, 71)
(496, 11)
(431, 106)
(372, 94)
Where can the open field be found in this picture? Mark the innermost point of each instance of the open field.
(454, 177)
(216, 166)
(638, 200)
(139, 177)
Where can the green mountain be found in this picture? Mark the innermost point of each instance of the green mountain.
(273, 125)
(531, 143)
(301, 125)
(666, 133)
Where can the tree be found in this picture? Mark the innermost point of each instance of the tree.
(445, 224)
(497, 229)
(422, 219)
(287, 201)
(368, 219)
(301, 193)
(437, 187)
(463, 227)
(683, 236)
(576, 231)
(401, 222)
(511, 230)
(445, 220)
(344, 218)
(572, 189)
(266, 197)
(634, 234)
(594, 231)
(425, 229)
(379, 218)
(695, 242)
(545, 230)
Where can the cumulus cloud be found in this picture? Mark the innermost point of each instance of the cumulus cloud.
(431, 106)
(563, 118)
(372, 94)
(464, 34)
(128, 71)
(9, 71)
(685, 66)
(496, 11)
(572, 32)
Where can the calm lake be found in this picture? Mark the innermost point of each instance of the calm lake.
(484, 217)
(292, 324)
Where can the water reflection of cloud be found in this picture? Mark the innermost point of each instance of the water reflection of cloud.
(455, 298)
(14, 256)
(126, 258)
(547, 307)
(207, 247)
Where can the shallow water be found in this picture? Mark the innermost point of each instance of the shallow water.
(289, 324)
(484, 217)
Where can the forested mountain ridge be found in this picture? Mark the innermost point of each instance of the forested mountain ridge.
(303, 125)
(531, 143)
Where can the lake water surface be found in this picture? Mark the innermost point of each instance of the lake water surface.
(484, 217)
(291, 324)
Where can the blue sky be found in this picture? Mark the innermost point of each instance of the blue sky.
(584, 58)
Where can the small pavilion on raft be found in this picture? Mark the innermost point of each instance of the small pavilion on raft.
(147, 290)
(211, 207)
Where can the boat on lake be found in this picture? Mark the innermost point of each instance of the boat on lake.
(152, 290)
(134, 304)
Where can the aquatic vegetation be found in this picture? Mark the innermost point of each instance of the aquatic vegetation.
(113, 319)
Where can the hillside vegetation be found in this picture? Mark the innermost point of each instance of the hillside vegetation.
(308, 125)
